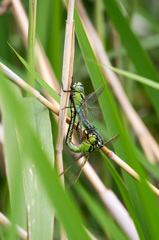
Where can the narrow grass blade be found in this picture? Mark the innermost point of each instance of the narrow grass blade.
(38, 78)
(135, 77)
(31, 39)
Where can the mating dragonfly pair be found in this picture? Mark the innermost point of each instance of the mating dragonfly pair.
(93, 139)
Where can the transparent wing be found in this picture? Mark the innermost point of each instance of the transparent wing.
(79, 155)
(93, 97)
(77, 173)
(111, 141)
(74, 177)
(92, 112)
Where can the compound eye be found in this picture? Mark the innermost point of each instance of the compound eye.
(79, 84)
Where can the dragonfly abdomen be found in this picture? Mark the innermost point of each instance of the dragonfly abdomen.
(70, 129)
(91, 128)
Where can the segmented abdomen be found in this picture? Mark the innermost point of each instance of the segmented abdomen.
(70, 145)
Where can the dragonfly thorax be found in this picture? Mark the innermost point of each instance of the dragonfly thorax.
(93, 139)
(78, 99)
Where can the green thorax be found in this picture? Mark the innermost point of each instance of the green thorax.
(77, 94)
(78, 99)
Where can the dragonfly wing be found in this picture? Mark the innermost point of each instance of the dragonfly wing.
(111, 141)
(86, 107)
(77, 173)
(93, 97)
(94, 113)
(91, 113)
(73, 163)
(84, 110)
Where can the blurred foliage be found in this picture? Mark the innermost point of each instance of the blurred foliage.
(143, 18)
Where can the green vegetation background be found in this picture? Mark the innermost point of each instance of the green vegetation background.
(134, 51)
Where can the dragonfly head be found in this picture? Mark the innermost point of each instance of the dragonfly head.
(77, 87)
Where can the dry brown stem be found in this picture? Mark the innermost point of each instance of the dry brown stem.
(6, 223)
(4, 6)
(66, 82)
(67, 71)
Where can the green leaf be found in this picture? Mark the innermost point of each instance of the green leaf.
(14, 168)
(33, 155)
(38, 203)
(135, 77)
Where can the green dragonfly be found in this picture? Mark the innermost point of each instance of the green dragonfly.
(80, 103)
(88, 145)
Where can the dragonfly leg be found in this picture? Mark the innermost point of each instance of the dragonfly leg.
(65, 107)
(65, 90)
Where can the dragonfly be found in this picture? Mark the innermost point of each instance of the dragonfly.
(80, 103)
(88, 145)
